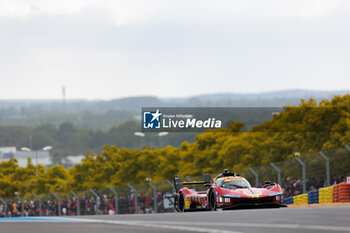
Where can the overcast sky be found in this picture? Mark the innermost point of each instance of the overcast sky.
(109, 48)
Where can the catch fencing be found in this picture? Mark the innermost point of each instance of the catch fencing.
(309, 179)
(301, 174)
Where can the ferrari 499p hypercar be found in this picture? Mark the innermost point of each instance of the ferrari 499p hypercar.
(226, 191)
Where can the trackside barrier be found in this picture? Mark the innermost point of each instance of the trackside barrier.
(139, 198)
(58, 203)
(301, 199)
(97, 201)
(40, 204)
(341, 192)
(328, 179)
(256, 176)
(313, 197)
(337, 193)
(303, 167)
(278, 173)
(5, 206)
(288, 201)
(77, 199)
(134, 193)
(116, 199)
(22, 205)
(155, 203)
(325, 195)
(172, 185)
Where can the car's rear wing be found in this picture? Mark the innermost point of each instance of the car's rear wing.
(193, 182)
(178, 184)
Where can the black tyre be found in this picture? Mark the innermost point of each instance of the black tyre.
(212, 200)
(180, 203)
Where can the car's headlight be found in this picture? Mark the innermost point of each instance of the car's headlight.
(224, 199)
(279, 197)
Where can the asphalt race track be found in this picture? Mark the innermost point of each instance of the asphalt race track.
(300, 220)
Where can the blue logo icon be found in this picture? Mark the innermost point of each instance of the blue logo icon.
(151, 120)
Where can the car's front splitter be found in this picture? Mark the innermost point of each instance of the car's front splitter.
(253, 205)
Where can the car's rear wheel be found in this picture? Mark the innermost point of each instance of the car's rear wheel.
(212, 201)
(181, 203)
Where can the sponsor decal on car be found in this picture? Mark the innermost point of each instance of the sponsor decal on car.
(251, 193)
(232, 195)
(233, 179)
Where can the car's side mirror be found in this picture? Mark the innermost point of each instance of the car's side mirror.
(207, 185)
(268, 185)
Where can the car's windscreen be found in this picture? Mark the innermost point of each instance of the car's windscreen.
(232, 184)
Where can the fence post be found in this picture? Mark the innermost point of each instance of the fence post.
(77, 200)
(327, 168)
(58, 203)
(40, 204)
(134, 191)
(256, 176)
(155, 203)
(5, 206)
(172, 185)
(115, 199)
(278, 173)
(97, 202)
(347, 147)
(22, 205)
(303, 171)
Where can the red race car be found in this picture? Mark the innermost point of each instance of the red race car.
(226, 191)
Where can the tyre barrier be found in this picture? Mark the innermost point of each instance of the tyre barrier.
(326, 195)
(341, 192)
(301, 199)
(288, 201)
(313, 197)
(337, 193)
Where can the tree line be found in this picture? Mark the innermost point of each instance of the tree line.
(306, 128)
